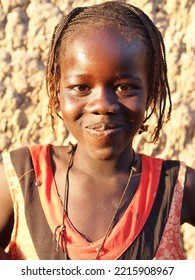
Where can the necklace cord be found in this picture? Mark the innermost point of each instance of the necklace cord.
(71, 151)
(117, 208)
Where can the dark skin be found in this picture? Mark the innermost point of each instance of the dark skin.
(103, 96)
(103, 107)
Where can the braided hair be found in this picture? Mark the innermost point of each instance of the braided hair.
(129, 21)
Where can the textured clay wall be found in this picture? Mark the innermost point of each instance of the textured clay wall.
(25, 31)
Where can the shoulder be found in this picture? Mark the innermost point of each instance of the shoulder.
(48, 150)
(187, 177)
(17, 159)
(160, 163)
(6, 209)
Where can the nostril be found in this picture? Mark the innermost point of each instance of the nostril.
(95, 113)
(103, 109)
(100, 107)
(103, 113)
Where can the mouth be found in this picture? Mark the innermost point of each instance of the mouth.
(104, 129)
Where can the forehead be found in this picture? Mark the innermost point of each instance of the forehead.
(101, 39)
(103, 52)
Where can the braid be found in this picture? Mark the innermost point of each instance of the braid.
(160, 87)
(52, 68)
(129, 21)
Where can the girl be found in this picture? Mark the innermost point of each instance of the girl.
(99, 199)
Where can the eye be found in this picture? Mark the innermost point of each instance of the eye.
(123, 88)
(81, 88)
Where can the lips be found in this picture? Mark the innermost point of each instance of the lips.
(102, 129)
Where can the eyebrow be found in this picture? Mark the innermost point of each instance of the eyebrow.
(127, 76)
(78, 76)
(117, 76)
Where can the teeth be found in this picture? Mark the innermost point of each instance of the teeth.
(104, 126)
(100, 128)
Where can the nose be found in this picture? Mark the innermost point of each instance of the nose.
(103, 101)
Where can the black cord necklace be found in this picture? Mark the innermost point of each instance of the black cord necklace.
(61, 233)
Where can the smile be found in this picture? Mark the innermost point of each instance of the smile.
(104, 129)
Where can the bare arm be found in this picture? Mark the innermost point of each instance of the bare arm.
(188, 206)
(6, 213)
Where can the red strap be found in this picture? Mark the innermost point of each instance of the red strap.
(46, 185)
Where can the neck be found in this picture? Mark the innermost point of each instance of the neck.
(103, 167)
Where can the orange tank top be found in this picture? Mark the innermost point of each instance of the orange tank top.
(149, 228)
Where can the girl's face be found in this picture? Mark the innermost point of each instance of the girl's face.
(103, 90)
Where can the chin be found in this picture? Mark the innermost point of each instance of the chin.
(106, 153)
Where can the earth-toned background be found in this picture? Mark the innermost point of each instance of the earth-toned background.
(25, 32)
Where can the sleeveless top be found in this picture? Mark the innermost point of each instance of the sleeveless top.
(149, 228)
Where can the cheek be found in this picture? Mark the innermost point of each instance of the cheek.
(136, 117)
(136, 109)
(70, 107)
